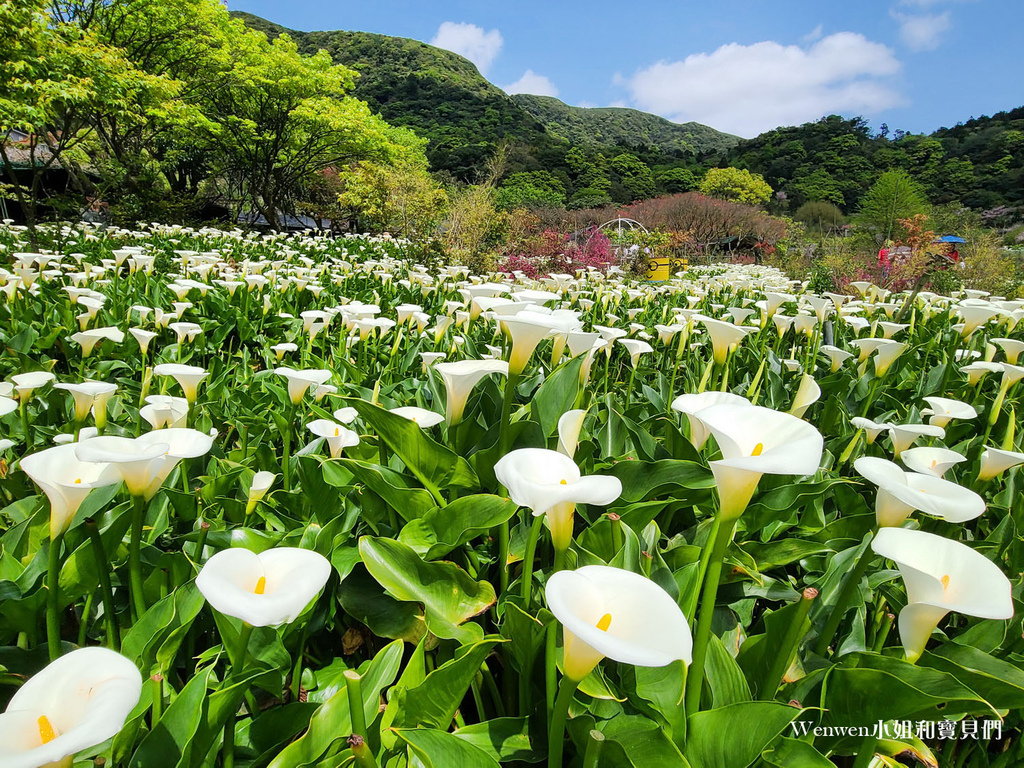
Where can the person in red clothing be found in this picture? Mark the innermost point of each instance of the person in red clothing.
(884, 262)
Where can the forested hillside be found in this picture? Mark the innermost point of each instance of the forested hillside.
(979, 163)
(443, 98)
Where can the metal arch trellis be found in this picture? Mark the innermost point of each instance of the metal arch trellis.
(618, 225)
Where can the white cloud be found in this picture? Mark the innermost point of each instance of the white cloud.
(532, 83)
(814, 35)
(471, 41)
(923, 33)
(748, 89)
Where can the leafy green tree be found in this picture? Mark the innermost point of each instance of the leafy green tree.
(819, 185)
(894, 197)
(635, 175)
(281, 118)
(736, 184)
(56, 80)
(820, 217)
(157, 148)
(530, 189)
(589, 197)
(673, 180)
(402, 198)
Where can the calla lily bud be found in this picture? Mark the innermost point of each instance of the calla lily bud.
(807, 394)
(610, 612)
(570, 424)
(261, 483)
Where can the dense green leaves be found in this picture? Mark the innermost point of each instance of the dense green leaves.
(448, 595)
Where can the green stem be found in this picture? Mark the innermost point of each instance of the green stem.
(361, 752)
(691, 603)
(25, 424)
(503, 543)
(135, 557)
(695, 680)
(353, 685)
(492, 689)
(157, 682)
(107, 593)
(883, 633)
(83, 625)
(872, 392)
(528, 558)
(296, 687)
(285, 463)
(504, 428)
(790, 643)
(237, 665)
(594, 744)
(846, 594)
(556, 735)
(53, 597)
(550, 668)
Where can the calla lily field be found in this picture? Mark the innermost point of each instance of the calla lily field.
(273, 500)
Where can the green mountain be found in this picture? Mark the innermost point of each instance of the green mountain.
(979, 163)
(609, 127)
(444, 98)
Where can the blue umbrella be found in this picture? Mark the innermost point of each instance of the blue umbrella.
(950, 239)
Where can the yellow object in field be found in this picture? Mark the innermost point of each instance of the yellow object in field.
(660, 268)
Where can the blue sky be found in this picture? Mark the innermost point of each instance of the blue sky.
(742, 66)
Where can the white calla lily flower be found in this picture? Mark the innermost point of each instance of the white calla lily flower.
(941, 576)
(693, 404)
(300, 381)
(904, 435)
(807, 394)
(995, 461)
(459, 379)
(549, 483)
(618, 614)
(337, 436)
(836, 356)
(66, 481)
(942, 410)
(929, 460)
(162, 411)
(90, 396)
(258, 488)
(423, 418)
(871, 428)
(74, 703)
(635, 348)
(755, 441)
(900, 493)
(188, 377)
(723, 335)
(266, 589)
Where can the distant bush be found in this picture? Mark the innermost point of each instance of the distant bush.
(820, 217)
